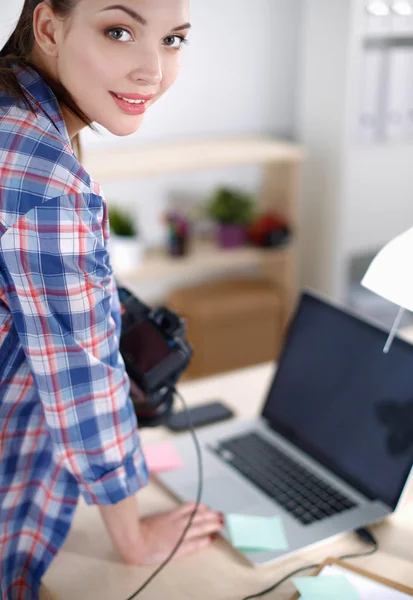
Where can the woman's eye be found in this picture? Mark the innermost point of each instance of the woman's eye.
(175, 41)
(117, 34)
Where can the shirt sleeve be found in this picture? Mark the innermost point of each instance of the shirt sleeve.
(60, 291)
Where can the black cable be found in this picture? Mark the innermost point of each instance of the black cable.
(198, 501)
(273, 587)
(363, 533)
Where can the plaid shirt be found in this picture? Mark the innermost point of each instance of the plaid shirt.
(67, 424)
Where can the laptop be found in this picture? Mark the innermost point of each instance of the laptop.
(332, 450)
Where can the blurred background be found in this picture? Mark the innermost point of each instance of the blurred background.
(281, 159)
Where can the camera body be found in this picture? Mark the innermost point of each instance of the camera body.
(155, 354)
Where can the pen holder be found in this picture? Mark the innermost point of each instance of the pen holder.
(178, 234)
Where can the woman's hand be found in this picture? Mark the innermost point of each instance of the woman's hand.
(160, 533)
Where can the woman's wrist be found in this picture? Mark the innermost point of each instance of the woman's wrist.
(123, 526)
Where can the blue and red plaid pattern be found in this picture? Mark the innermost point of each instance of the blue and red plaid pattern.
(67, 424)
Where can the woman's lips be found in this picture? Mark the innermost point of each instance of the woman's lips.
(145, 97)
(128, 108)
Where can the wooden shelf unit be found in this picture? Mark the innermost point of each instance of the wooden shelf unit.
(131, 162)
(203, 256)
(279, 191)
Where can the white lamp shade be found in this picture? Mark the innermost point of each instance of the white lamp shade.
(390, 275)
(10, 12)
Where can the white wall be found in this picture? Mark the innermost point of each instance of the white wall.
(322, 112)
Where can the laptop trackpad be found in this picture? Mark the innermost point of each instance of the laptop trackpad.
(225, 494)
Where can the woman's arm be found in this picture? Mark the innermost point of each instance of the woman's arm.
(58, 284)
(150, 540)
(122, 524)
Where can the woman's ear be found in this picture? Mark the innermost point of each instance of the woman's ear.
(47, 29)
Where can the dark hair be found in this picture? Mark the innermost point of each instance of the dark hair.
(18, 49)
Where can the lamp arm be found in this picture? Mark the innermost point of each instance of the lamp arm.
(394, 330)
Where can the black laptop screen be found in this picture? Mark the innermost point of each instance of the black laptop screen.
(341, 399)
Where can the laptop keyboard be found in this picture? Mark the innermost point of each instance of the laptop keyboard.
(288, 482)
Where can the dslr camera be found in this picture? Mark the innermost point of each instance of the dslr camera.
(155, 353)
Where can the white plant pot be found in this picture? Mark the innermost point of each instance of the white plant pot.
(126, 253)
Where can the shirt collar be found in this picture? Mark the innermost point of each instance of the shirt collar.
(44, 96)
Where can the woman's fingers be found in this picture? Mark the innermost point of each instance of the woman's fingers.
(188, 508)
(204, 524)
(206, 517)
(194, 545)
(204, 528)
(161, 532)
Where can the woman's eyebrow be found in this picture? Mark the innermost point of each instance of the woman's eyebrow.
(139, 18)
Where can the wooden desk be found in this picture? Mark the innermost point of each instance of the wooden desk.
(88, 568)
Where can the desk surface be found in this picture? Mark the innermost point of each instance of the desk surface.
(88, 568)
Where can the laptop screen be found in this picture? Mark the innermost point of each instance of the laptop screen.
(337, 396)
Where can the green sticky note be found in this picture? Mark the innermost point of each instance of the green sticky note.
(254, 533)
(326, 587)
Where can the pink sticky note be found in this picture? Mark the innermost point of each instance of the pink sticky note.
(162, 457)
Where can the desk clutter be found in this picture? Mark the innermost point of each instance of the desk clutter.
(340, 581)
(162, 457)
(249, 533)
(326, 588)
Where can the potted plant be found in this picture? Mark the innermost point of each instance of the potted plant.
(233, 210)
(126, 248)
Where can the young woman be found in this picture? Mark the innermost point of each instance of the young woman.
(67, 425)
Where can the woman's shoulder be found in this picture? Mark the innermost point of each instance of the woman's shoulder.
(34, 143)
(32, 150)
(37, 161)
(37, 167)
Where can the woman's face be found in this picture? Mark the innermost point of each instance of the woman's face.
(121, 48)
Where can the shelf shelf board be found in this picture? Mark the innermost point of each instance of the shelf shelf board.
(388, 36)
(204, 256)
(131, 162)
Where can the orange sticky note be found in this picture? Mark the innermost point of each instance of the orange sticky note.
(162, 457)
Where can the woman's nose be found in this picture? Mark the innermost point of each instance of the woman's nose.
(149, 69)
